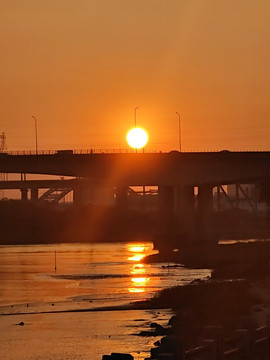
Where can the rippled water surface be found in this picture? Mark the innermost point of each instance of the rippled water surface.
(87, 276)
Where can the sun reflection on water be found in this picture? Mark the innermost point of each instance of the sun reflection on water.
(137, 253)
(137, 269)
(137, 248)
(140, 247)
(140, 281)
(136, 290)
(137, 257)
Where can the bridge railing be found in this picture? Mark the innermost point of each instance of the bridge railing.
(82, 151)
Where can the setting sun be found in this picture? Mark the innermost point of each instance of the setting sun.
(137, 138)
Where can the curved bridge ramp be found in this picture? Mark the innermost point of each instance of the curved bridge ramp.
(54, 195)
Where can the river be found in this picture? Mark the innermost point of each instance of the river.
(42, 284)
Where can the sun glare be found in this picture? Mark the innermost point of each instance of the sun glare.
(137, 138)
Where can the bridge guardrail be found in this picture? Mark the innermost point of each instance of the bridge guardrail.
(115, 151)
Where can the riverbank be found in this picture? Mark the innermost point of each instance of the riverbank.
(235, 298)
(232, 314)
(218, 319)
(240, 254)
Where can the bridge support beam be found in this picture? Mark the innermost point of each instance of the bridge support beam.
(24, 194)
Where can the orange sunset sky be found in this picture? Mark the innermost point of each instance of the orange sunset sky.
(82, 66)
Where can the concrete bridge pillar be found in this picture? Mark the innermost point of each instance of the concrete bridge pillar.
(24, 194)
(184, 210)
(204, 233)
(121, 197)
(176, 217)
(77, 196)
(166, 228)
(205, 198)
(82, 194)
(34, 194)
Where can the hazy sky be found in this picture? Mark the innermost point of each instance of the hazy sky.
(82, 66)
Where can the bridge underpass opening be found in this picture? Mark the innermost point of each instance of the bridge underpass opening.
(143, 198)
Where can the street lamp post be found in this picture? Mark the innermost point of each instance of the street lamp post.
(135, 116)
(36, 133)
(179, 128)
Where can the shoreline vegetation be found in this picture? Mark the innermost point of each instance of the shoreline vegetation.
(47, 223)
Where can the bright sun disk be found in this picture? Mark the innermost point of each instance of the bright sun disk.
(137, 138)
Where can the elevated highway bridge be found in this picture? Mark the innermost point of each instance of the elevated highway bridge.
(176, 174)
(147, 168)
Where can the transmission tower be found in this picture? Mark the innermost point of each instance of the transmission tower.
(3, 142)
(3, 147)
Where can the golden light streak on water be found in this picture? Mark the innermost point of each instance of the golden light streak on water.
(136, 290)
(137, 269)
(137, 248)
(138, 252)
(137, 257)
(140, 247)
